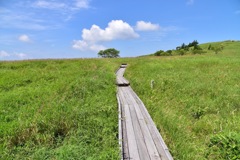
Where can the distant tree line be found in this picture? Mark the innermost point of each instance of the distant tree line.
(193, 44)
(191, 47)
(163, 53)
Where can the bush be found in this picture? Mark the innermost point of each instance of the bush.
(198, 51)
(217, 49)
(224, 146)
(180, 52)
(159, 53)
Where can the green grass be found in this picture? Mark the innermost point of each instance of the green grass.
(195, 101)
(67, 109)
(58, 109)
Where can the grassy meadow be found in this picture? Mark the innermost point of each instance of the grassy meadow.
(58, 109)
(67, 109)
(195, 101)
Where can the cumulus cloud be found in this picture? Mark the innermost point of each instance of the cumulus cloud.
(4, 54)
(24, 38)
(146, 26)
(116, 29)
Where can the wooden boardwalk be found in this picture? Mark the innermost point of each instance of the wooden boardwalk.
(139, 137)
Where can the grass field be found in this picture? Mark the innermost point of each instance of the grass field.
(195, 101)
(67, 109)
(58, 109)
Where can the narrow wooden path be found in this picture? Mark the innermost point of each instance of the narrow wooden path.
(139, 137)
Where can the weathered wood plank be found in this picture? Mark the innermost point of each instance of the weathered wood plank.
(143, 152)
(131, 139)
(125, 153)
(120, 128)
(149, 142)
(121, 81)
(123, 66)
(141, 138)
(120, 72)
(158, 140)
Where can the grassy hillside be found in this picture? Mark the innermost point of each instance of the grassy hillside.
(195, 101)
(230, 48)
(67, 109)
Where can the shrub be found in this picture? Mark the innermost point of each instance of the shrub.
(159, 53)
(224, 146)
(180, 52)
(217, 49)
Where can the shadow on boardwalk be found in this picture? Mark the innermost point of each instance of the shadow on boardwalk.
(139, 137)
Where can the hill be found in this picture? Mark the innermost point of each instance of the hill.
(229, 47)
(67, 109)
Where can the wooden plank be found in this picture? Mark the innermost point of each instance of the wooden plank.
(132, 144)
(120, 72)
(123, 66)
(161, 146)
(159, 142)
(143, 152)
(149, 142)
(141, 138)
(131, 139)
(121, 81)
(120, 128)
(125, 153)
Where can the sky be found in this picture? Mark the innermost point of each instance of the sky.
(56, 29)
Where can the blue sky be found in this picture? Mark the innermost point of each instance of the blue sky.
(40, 29)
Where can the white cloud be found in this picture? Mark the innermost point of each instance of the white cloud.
(20, 20)
(190, 2)
(67, 5)
(146, 26)
(4, 54)
(49, 5)
(116, 29)
(82, 3)
(24, 38)
(32, 15)
(21, 55)
(82, 45)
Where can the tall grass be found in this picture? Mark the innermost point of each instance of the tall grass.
(195, 102)
(58, 109)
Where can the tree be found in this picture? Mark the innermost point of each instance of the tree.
(209, 47)
(159, 53)
(169, 52)
(109, 53)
